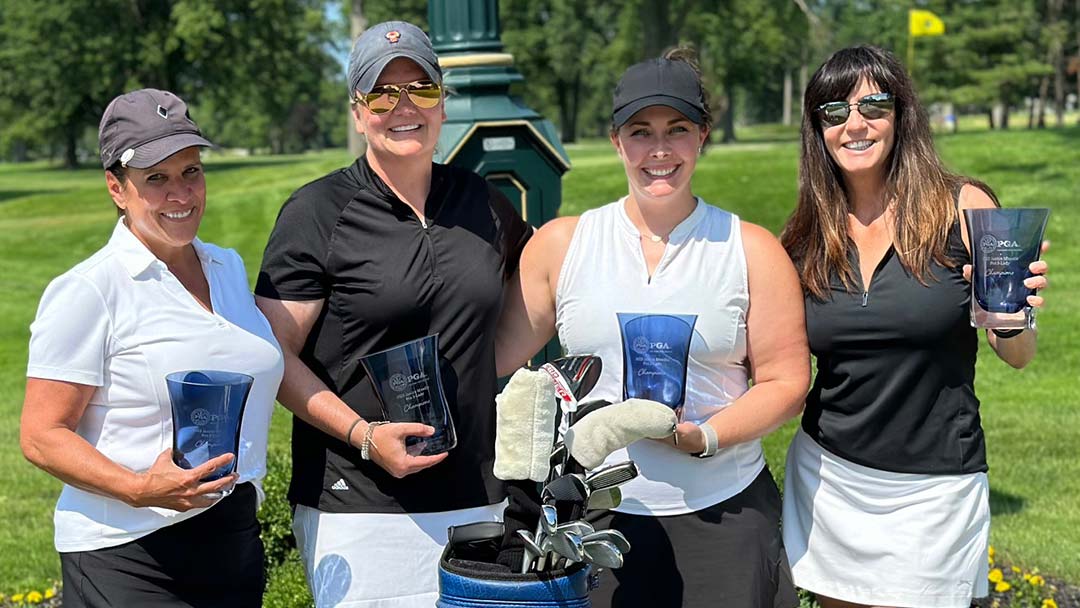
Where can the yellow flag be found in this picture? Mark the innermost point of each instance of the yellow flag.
(925, 23)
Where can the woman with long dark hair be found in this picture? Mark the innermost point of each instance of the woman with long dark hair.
(886, 496)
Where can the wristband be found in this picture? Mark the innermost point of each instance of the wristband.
(352, 427)
(712, 442)
(1007, 333)
(365, 447)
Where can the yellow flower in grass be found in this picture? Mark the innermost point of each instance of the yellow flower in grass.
(1049, 603)
(990, 552)
(1002, 587)
(1037, 580)
(1027, 577)
(996, 576)
(34, 597)
(1016, 570)
(18, 597)
(50, 593)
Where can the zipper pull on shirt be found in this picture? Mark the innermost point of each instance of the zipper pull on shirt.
(865, 295)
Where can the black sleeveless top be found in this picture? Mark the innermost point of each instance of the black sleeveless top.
(896, 370)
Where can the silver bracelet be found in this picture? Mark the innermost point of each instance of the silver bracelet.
(712, 442)
(365, 447)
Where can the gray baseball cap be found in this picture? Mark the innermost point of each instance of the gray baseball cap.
(380, 44)
(142, 128)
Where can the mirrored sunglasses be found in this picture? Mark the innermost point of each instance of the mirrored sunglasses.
(423, 94)
(876, 105)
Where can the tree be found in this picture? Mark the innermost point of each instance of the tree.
(249, 67)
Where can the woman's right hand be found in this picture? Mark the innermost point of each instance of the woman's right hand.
(168, 486)
(388, 448)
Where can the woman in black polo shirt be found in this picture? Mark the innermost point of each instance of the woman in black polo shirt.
(886, 496)
(387, 250)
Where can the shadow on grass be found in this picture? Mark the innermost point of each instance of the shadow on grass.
(1003, 503)
(6, 195)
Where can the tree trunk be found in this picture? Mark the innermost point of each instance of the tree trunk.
(727, 122)
(357, 25)
(71, 157)
(1004, 116)
(990, 118)
(786, 118)
(804, 79)
(655, 15)
(1038, 106)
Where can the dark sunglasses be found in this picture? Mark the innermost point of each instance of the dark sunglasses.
(423, 94)
(877, 105)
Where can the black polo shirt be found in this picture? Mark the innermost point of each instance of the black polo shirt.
(388, 278)
(895, 384)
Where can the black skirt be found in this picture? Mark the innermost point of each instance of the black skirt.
(730, 554)
(212, 559)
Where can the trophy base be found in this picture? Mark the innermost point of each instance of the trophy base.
(430, 446)
(1023, 319)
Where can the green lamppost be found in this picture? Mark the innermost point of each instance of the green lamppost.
(487, 129)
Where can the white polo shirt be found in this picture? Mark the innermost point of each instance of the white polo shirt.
(121, 321)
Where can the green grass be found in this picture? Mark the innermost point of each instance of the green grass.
(50, 219)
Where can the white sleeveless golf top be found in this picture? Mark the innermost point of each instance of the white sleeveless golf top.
(702, 272)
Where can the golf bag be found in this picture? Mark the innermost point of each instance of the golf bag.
(475, 572)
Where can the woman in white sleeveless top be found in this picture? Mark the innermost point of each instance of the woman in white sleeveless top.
(703, 516)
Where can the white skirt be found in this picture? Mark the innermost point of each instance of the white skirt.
(377, 560)
(880, 538)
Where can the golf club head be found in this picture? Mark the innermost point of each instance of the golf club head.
(605, 500)
(603, 553)
(609, 476)
(610, 535)
(549, 519)
(579, 527)
(581, 372)
(567, 544)
(566, 489)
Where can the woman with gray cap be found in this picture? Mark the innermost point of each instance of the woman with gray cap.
(389, 249)
(703, 515)
(133, 528)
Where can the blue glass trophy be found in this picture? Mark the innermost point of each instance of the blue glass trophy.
(1004, 242)
(408, 384)
(656, 350)
(207, 412)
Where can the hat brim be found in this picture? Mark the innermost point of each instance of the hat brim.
(625, 113)
(371, 75)
(153, 152)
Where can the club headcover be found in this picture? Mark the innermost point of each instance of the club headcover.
(597, 435)
(525, 426)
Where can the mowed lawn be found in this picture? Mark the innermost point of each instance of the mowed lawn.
(50, 219)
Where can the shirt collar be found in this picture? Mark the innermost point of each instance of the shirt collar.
(136, 257)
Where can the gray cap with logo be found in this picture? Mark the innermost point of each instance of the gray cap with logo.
(142, 128)
(380, 44)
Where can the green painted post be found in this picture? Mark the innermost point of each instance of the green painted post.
(487, 129)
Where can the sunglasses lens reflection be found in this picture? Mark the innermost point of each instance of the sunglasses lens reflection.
(874, 106)
(422, 95)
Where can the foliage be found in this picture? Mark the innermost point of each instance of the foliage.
(287, 584)
(258, 67)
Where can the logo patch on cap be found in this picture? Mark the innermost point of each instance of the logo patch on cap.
(393, 36)
(126, 157)
(162, 112)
